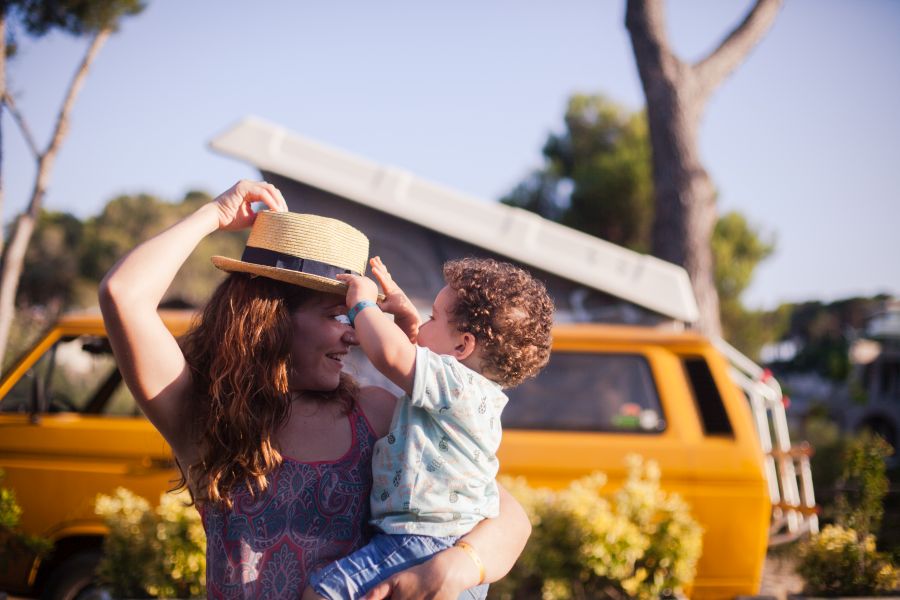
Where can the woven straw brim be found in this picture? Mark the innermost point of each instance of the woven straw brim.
(307, 280)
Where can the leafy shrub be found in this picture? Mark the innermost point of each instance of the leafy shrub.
(830, 443)
(641, 544)
(836, 562)
(152, 552)
(14, 542)
(842, 559)
(863, 484)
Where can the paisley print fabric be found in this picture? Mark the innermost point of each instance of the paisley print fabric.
(312, 514)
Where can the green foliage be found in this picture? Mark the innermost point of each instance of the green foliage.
(640, 544)
(825, 436)
(24, 331)
(842, 559)
(737, 249)
(597, 178)
(51, 274)
(863, 484)
(13, 541)
(77, 17)
(820, 330)
(128, 220)
(749, 330)
(10, 511)
(833, 478)
(67, 258)
(157, 553)
(837, 562)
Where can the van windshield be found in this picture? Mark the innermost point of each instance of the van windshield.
(79, 375)
(588, 392)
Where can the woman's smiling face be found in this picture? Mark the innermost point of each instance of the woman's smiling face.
(322, 339)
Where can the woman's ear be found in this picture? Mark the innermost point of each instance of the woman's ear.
(465, 346)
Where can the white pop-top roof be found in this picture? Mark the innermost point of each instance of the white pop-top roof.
(521, 235)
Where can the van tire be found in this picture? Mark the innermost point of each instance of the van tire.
(75, 578)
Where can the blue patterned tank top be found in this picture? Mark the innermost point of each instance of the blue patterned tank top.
(311, 514)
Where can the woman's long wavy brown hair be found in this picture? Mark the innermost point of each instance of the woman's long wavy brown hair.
(239, 354)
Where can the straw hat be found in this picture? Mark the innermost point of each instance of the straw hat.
(305, 250)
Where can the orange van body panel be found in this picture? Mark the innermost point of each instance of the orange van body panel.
(721, 477)
(60, 462)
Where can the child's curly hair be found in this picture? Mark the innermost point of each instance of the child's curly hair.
(508, 311)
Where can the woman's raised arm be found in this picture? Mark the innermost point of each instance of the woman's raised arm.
(151, 362)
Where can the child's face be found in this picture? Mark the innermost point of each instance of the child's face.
(438, 333)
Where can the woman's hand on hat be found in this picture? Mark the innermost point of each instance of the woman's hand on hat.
(359, 288)
(396, 302)
(234, 205)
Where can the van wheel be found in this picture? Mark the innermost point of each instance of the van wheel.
(75, 579)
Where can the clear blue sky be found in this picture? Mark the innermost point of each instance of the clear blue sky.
(804, 138)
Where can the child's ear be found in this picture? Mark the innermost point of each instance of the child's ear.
(465, 346)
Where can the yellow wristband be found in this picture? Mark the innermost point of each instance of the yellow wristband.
(470, 550)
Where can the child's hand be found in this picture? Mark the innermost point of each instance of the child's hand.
(395, 302)
(358, 288)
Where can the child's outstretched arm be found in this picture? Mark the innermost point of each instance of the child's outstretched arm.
(385, 344)
(396, 302)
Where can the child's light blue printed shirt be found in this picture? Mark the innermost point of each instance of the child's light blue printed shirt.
(434, 472)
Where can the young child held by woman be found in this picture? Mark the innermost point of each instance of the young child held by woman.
(434, 473)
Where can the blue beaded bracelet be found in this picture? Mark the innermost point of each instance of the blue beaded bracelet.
(357, 308)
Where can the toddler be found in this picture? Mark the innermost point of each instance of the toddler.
(434, 473)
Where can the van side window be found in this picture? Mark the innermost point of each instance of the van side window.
(588, 392)
(19, 399)
(706, 395)
(77, 375)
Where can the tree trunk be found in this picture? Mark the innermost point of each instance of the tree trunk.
(676, 95)
(14, 257)
(2, 106)
(13, 260)
(685, 205)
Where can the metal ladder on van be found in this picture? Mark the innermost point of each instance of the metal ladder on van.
(787, 470)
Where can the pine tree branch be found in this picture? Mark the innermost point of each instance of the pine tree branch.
(62, 120)
(19, 118)
(735, 47)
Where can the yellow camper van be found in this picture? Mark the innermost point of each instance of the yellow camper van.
(69, 430)
(610, 391)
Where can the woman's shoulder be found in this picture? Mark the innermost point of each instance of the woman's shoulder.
(377, 405)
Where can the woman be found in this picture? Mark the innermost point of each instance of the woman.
(273, 440)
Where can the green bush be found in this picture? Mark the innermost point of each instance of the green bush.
(836, 562)
(863, 484)
(842, 559)
(13, 541)
(641, 544)
(152, 552)
(830, 443)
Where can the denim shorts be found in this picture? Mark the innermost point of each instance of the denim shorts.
(354, 575)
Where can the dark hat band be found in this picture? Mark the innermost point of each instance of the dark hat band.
(279, 260)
